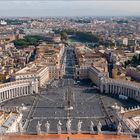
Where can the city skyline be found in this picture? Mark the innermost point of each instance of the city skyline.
(69, 77)
(44, 8)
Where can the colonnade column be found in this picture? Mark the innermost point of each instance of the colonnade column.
(24, 90)
(3, 95)
(0, 96)
(8, 94)
(27, 90)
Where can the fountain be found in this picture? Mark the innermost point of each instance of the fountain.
(23, 107)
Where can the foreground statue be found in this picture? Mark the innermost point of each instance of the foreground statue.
(19, 122)
(38, 128)
(47, 125)
(99, 127)
(59, 127)
(79, 126)
(68, 126)
(119, 128)
(91, 127)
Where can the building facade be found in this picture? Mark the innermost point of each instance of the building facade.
(33, 71)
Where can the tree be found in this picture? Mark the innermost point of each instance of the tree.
(64, 36)
(135, 61)
(28, 40)
(2, 77)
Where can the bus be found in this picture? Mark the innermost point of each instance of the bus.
(123, 97)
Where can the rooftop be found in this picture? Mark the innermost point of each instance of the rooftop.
(68, 137)
(7, 120)
(30, 68)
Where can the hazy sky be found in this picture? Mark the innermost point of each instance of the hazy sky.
(69, 8)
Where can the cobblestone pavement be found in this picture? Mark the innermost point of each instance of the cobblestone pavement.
(52, 105)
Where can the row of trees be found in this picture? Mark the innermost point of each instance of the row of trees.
(64, 36)
(28, 40)
(135, 61)
(81, 36)
(87, 36)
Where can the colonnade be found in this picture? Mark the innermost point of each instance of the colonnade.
(18, 88)
(120, 87)
(112, 86)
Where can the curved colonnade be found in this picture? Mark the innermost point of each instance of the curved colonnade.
(17, 89)
(120, 87)
(107, 85)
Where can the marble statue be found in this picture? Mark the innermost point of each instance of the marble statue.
(91, 127)
(20, 126)
(38, 128)
(68, 125)
(79, 126)
(59, 127)
(19, 123)
(47, 125)
(99, 126)
(119, 128)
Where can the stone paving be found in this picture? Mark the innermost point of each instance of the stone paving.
(51, 105)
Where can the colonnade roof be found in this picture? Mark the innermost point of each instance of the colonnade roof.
(14, 83)
(123, 82)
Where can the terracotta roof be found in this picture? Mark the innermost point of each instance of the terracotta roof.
(67, 137)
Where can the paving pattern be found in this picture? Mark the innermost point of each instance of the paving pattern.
(51, 105)
(68, 99)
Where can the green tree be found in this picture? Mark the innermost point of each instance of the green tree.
(28, 40)
(64, 36)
